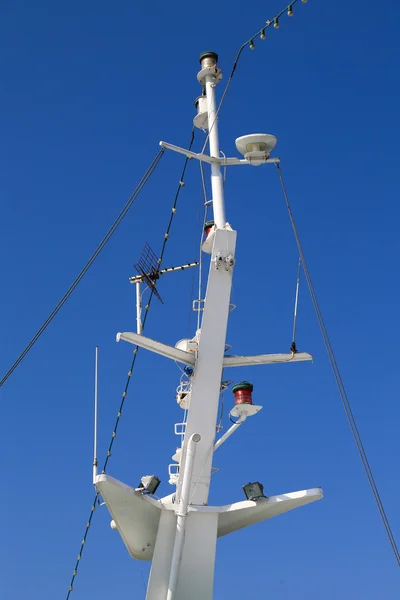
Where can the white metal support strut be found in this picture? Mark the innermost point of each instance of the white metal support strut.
(181, 513)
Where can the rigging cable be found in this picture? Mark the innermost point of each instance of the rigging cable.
(201, 220)
(293, 347)
(124, 394)
(339, 381)
(250, 42)
(87, 266)
(203, 184)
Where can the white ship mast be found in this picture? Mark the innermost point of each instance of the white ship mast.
(179, 532)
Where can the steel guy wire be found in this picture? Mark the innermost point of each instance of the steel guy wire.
(87, 266)
(250, 42)
(296, 305)
(198, 252)
(201, 238)
(338, 379)
(125, 392)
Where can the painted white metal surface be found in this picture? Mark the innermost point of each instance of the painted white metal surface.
(96, 403)
(136, 515)
(204, 524)
(181, 514)
(201, 156)
(179, 532)
(157, 588)
(146, 524)
(242, 514)
(181, 356)
(223, 161)
(217, 184)
(241, 412)
(196, 570)
(206, 381)
(228, 434)
(265, 359)
(255, 141)
(196, 575)
(248, 410)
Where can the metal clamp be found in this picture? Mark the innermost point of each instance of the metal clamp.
(223, 262)
(180, 428)
(198, 305)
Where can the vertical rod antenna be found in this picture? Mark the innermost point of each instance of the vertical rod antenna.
(293, 347)
(139, 325)
(96, 389)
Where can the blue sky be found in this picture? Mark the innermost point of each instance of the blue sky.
(88, 91)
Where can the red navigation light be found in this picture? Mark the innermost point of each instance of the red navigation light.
(243, 393)
(207, 227)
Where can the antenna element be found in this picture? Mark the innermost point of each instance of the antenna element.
(148, 268)
(96, 373)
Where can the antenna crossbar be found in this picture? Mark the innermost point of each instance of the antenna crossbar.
(140, 278)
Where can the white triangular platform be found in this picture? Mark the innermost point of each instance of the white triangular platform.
(137, 516)
(241, 514)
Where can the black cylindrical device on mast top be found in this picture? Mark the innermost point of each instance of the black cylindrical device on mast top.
(208, 59)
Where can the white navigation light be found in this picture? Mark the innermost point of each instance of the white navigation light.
(256, 147)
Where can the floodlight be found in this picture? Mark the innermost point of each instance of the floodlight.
(253, 491)
(148, 484)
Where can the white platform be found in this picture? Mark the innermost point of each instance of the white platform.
(137, 516)
(241, 514)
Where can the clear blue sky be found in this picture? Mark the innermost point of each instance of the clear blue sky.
(89, 88)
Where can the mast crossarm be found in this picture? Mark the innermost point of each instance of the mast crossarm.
(238, 515)
(242, 514)
(223, 161)
(187, 358)
(265, 359)
(202, 157)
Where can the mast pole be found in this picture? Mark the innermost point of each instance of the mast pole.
(208, 61)
(181, 518)
(206, 384)
(139, 326)
(96, 374)
(192, 576)
(190, 573)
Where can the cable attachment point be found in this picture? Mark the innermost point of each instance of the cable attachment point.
(293, 347)
(223, 262)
